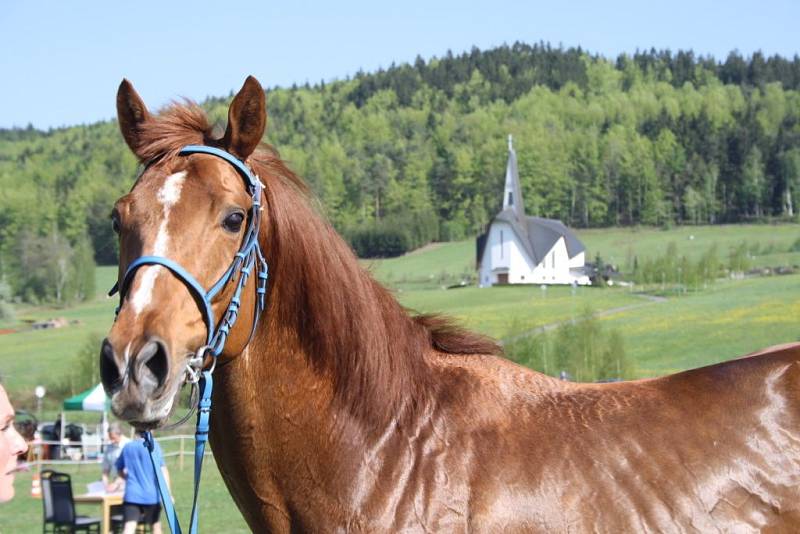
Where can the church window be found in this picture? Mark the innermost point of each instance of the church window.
(510, 198)
(501, 243)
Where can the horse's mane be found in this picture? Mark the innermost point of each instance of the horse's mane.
(352, 328)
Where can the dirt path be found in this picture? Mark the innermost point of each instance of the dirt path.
(649, 300)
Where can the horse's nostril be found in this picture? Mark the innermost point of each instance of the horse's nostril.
(109, 370)
(152, 365)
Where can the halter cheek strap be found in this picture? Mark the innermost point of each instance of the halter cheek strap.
(249, 258)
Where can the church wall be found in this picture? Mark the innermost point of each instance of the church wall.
(514, 261)
(554, 269)
(578, 261)
(504, 252)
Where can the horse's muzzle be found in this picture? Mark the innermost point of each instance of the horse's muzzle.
(138, 386)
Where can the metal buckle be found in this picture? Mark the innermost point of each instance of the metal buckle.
(194, 366)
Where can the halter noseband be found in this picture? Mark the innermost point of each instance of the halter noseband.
(248, 258)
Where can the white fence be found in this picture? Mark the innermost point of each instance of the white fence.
(88, 452)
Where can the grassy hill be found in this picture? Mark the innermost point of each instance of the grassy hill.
(769, 245)
(432, 266)
(32, 357)
(729, 319)
(503, 311)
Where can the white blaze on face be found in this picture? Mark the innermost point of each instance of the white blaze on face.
(167, 196)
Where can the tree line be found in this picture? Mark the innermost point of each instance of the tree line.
(652, 138)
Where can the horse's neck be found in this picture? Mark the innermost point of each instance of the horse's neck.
(333, 358)
(278, 436)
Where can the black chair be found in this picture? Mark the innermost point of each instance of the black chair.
(59, 506)
(116, 517)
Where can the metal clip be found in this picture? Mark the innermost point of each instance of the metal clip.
(194, 366)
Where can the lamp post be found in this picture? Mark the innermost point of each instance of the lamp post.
(40, 392)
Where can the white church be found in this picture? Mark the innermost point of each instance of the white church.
(519, 249)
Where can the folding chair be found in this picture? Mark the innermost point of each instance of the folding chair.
(59, 506)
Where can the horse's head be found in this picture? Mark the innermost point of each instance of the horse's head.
(194, 210)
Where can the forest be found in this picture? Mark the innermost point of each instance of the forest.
(416, 153)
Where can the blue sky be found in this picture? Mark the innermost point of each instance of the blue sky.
(61, 61)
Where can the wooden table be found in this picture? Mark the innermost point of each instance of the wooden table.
(106, 501)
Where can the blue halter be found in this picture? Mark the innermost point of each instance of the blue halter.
(246, 260)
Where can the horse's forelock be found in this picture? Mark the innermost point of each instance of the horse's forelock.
(176, 126)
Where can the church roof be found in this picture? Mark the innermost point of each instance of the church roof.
(536, 234)
(553, 228)
(514, 200)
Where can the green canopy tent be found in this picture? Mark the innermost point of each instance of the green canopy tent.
(92, 400)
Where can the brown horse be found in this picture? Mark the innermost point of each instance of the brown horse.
(345, 413)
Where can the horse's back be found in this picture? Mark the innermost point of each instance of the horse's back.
(711, 448)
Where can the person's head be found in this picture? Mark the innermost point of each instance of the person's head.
(114, 432)
(11, 446)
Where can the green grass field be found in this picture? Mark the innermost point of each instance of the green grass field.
(731, 318)
(620, 245)
(445, 263)
(503, 311)
(433, 266)
(218, 513)
(32, 357)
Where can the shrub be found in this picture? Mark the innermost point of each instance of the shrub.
(738, 259)
(85, 369)
(394, 235)
(379, 242)
(673, 269)
(51, 269)
(580, 348)
(6, 308)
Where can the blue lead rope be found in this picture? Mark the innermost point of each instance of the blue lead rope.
(247, 259)
(200, 439)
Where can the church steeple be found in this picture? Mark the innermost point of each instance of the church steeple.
(512, 193)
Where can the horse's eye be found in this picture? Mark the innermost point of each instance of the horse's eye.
(115, 224)
(233, 222)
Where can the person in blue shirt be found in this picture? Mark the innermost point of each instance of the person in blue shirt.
(116, 441)
(141, 502)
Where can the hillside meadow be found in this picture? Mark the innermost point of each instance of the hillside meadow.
(730, 318)
(443, 264)
(31, 357)
(769, 245)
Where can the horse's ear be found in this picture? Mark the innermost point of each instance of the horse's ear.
(131, 114)
(247, 119)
